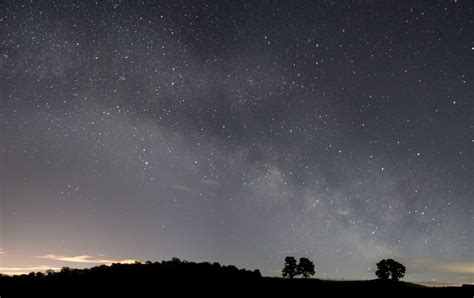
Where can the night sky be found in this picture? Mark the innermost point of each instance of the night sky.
(239, 132)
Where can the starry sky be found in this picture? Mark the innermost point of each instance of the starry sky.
(239, 132)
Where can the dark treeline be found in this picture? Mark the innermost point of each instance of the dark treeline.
(118, 279)
(160, 279)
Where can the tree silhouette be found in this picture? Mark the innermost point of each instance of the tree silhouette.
(396, 269)
(305, 267)
(66, 270)
(50, 272)
(290, 268)
(390, 268)
(131, 280)
(382, 271)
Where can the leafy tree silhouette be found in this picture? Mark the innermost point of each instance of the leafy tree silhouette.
(382, 271)
(50, 272)
(66, 270)
(390, 268)
(305, 267)
(396, 269)
(290, 269)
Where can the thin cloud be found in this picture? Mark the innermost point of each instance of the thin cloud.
(456, 283)
(436, 266)
(82, 259)
(181, 187)
(25, 270)
(2, 252)
(289, 252)
(210, 182)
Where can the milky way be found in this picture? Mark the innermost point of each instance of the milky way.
(240, 133)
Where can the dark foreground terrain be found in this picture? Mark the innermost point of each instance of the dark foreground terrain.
(180, 278)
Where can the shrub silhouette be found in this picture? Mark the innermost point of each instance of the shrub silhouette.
(290, 269)
(305, 268)
(387, 268)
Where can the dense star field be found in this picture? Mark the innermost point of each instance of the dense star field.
(238, 132)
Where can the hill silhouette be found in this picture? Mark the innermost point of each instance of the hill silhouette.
(179, 278)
